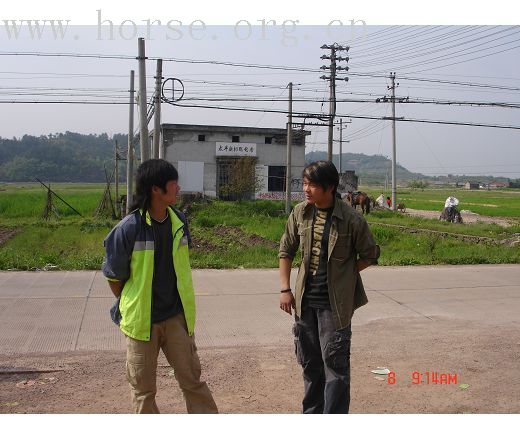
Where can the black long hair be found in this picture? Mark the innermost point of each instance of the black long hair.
(322, 173)
(153, 172)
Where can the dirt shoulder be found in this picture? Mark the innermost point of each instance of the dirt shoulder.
(268, 379)
(467, 217)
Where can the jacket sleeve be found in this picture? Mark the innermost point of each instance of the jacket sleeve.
(118, 251)
(290, 239)
(364, 242)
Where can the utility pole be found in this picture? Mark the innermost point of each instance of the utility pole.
(130, 154)
(341, 143)
(157, 153)
(332, 102)
(289, 148)
(394, 188)
(143, 111)
(116, 174)
(332, 85)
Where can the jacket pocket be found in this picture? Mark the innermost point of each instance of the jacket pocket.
(302, 235)
(343, 247)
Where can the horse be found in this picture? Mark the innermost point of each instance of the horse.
(361, 199)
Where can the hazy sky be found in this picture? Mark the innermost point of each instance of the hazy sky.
(422, 52)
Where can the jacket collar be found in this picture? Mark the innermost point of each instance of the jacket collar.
(174, 218)
(336, 212)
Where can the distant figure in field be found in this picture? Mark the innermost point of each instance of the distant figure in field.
(388, 202)
(450, 212)
(380, 201)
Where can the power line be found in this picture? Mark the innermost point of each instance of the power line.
(302, 69)
(419, 54)
(21, 91)
(324, 116)
(232, 64)
(414, 54)
(8, 101)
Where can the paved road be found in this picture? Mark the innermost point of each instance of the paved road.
(51, 312)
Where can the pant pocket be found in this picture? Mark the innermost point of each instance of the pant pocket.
(337, 350)
(136, 373)
(297, 343)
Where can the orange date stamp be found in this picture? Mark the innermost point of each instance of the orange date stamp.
(426, 378)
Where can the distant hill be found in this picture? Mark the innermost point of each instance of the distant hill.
(61, 157)
(371, 169)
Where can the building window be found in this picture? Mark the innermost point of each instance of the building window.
(276, 178)
(235, 138)
(202, 137)
(268, 140)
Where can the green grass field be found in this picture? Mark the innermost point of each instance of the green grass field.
(244, 234)
(23, 201)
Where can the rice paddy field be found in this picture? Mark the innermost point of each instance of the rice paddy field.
(246, 234)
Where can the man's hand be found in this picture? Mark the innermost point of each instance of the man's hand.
(361, 265)
(116, 287)
(287, 302)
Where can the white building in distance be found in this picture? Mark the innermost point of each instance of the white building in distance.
(203, 155)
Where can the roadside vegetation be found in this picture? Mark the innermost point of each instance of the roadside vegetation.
(246, 234)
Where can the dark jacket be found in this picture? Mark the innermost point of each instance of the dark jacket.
(349, 239)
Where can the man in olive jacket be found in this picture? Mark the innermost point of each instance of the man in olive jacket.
(336, 245)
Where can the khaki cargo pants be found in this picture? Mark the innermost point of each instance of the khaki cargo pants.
(180, 350)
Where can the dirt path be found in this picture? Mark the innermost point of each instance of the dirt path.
(467, 217)
(268, 380)
(6, 233)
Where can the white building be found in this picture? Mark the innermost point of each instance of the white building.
(203, 155)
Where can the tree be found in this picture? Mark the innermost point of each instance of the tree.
(418, 184)
(243, 182)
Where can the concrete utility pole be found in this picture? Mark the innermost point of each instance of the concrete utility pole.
(332, 86)
(340, 142)
(116, 174)
(143, 119)
(332, 102)
(157, 150)
(394, 184)
(130, 154)
(289, 148)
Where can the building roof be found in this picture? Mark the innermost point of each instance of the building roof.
(234, 129)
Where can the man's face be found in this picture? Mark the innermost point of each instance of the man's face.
(315, 194)
(169, 196)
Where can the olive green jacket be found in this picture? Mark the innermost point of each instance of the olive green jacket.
(349, 239)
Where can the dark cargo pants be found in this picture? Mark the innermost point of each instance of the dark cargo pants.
(324, 355)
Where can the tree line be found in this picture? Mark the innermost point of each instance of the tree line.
(75, 157)
(60, 157)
